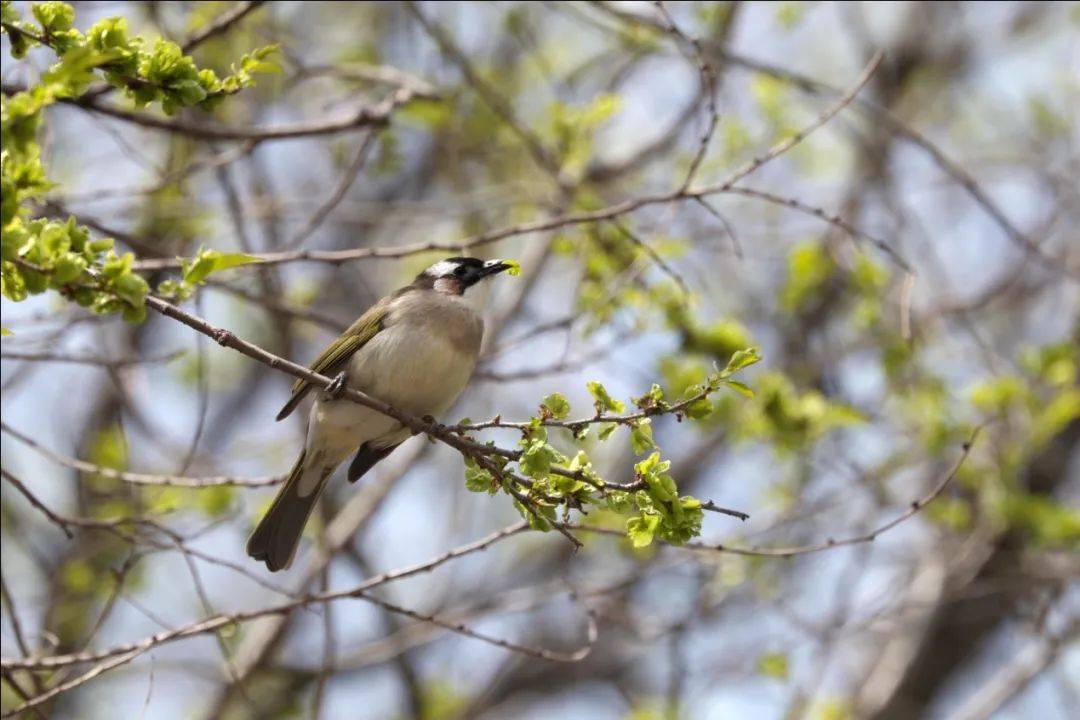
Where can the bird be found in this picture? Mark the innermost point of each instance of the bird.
(414, 349)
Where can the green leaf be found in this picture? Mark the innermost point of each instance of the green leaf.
(642, 529)
(70, 76)
(641, 436)
(207, 262)
(556, 405)
(773, 665)
(514, 269)
(100, 245)
(131, 288)
(652, 399)
(739, 360)
(108, 34)
(651, 465)
(700, 408)
(133, 313)
(478, 479)
(8, 12)
(53, 16)
(605, 430)
(231, 260)
(663, 488)
(189, 92)
(738, 387)
(602, 400)
(536, 459)
(67, 268)
(539, 517)
(117, 265)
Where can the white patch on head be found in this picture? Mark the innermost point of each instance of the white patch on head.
(443, 267)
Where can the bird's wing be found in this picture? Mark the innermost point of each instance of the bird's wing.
(338, 353)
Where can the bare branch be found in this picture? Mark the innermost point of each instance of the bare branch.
(138, 478)
(608, 213)
(220, 25)
(213, 624)
(376, 116)
(89, 359)
(830, 543)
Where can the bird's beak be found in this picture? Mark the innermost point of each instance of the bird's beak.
(494, 267)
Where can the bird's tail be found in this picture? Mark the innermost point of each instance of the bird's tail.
(277, 536)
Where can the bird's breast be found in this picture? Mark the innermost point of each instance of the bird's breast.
(419, 363)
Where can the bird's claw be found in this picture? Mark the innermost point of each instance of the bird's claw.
(336, 387)
(429, 420)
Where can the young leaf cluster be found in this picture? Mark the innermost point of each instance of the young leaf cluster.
(40, 254)
(195, 270)
(551, 476)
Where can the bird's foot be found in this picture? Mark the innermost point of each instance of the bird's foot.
(427, 419)
(334, 390)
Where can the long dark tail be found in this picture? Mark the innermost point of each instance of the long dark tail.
(277, 536)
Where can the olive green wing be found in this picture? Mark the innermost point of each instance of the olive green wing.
(334, 357)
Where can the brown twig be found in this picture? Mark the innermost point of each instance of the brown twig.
(376, 116)
(616, 210)
(220, 25)
(134, 478)
(348, 177)
(708, 87)
(828, 544)
(492, 99)
(63, 523)
(213, 624)
(89, 359)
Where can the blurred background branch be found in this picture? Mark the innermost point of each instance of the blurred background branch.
(903, 252)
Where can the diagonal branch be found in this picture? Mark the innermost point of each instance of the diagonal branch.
(828, 544)
(134, 478)
(217, 622)
(610, 212)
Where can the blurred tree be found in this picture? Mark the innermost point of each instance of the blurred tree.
(839, 295)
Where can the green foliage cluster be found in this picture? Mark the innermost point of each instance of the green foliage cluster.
(615, 264)
(572, 130)
(651, 505)
(195, 270)
(1034, 405)
(39, 253)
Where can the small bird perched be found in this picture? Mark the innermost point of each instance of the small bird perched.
(415, 350)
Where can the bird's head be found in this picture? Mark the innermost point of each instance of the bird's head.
(455, 275)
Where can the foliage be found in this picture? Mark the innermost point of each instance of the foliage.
(40, 253)
(535, 115)
(652, 505)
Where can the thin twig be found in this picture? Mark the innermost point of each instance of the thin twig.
(213, 624)
(607, 213)
(348, 177)
(138, 478)
(13, 614)
(376, 116)
(491, 98)
(708, 87)
(221, 24)
(55, 519)
(89, 359)
(828, 544)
